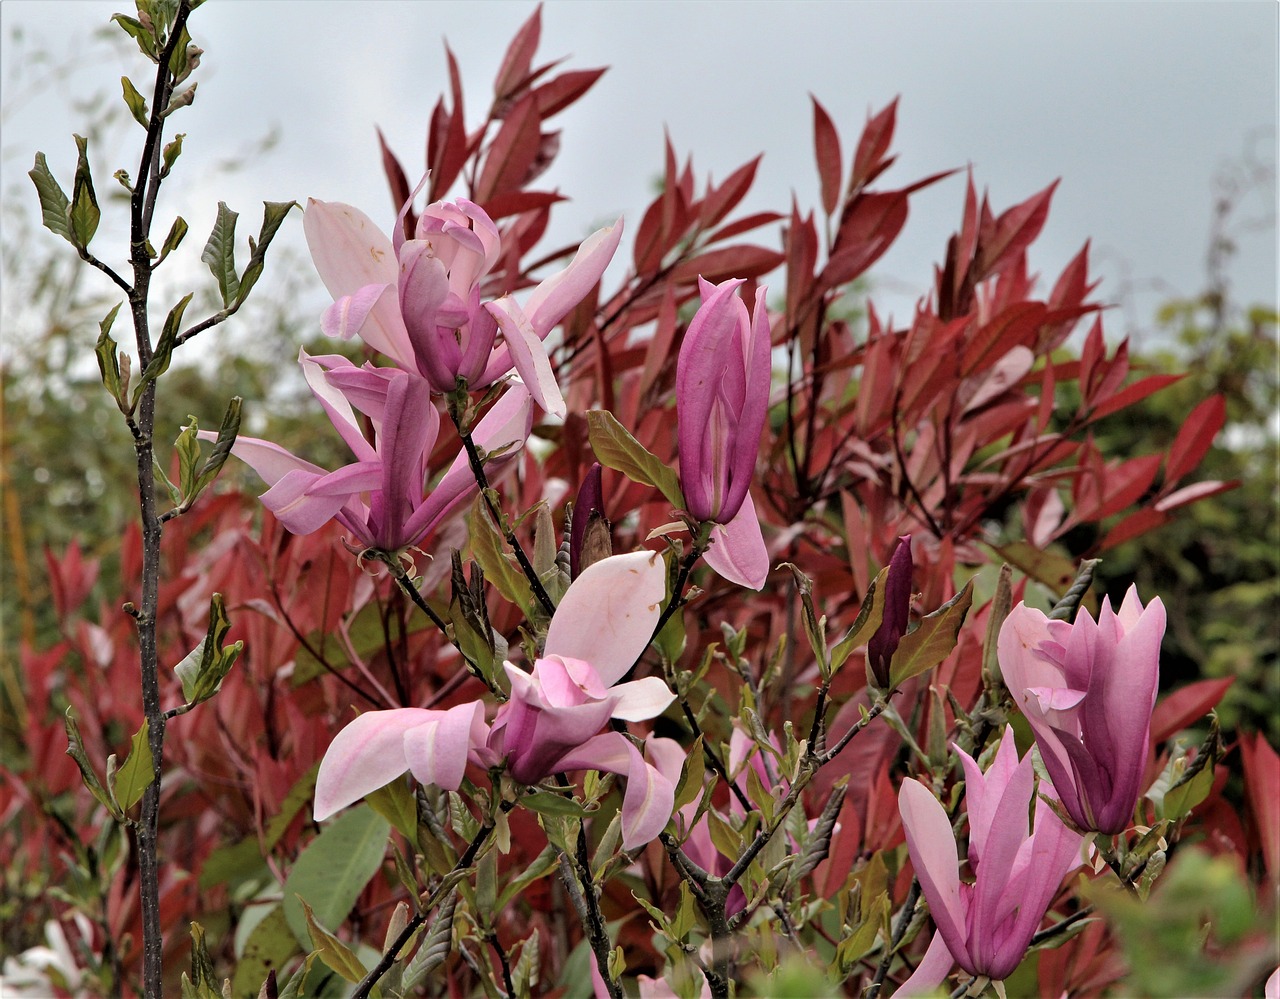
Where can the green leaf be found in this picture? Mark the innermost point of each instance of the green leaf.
(227, 434)
(137, 103)
(542, 865)
(145, 37)
(333, 870)
(172, 150)
(331, 950)
(204, 668)
(137, 772)
(163, 353)
(53, 200)
(273, 214)
(202, 984)
(692, 774)
(865, 624)
(615, 447)
(76, 750)
(487, 548)
(220, 254)
(177, 232)
(269, 946)
(815, 629)
(395, 803)
(550, 803)
(108, 362)
(933, 640)
(84, 213)
(435, 948)
(188, 447)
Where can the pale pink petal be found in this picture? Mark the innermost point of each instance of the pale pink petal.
(335, 403)
(304, 503)
(528, 354)
(364, 756)
(345, 317)
(608, 614)
(350, 252)
(268, 459)
(556, 297)
(649, 798)
(437, 750)
(739, 553)
(640, 700)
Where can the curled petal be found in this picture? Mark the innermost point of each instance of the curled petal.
(650, 796)
(347, 316)
(437, 750)
(528, 354)
(739, 553)
(640, 700)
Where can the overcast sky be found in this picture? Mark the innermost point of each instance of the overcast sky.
(1137, 107)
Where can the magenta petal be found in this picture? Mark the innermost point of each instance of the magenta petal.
(739, 553)
(364, 756)
(437, 750)
(300, 508)
(650, 796)
(608, 614)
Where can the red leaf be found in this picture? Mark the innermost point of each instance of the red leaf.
(742, 260)
(1193, 493)
(512, 152)
(720, 201)
(1185, 706)
(1123, 484)
(399, 183)
(745, 224)
(559, 92)
(868, 229)
(1195, 437)
(874, 142)
(502, 206)
(826, 147)
(648, 246)
(514, 70)
(1135, 525)
(1262, 785)
(1136, 392)
(1015, 325)
(1013, 232)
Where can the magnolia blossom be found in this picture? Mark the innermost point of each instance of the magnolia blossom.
(417, 299)
(380, 497)
(1088, 690)
(722, 397)
(986, 927)
(552, 722)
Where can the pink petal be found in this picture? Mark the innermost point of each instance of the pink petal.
(304, 503)
(350, 252)
(930, 972)
(650, 797)
(345, 317)
(269, 460)
(739, 553)
(336, 405)
(528, 354)
(555, 297)
(608, 614)
(640, 700)
(364, 756)
(437, 750)
(932, 846)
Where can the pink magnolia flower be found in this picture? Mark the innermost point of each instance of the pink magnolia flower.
(722, 397)
(986, 927)
(1088, 690)
(435, 323)
(551, 723)
(380, 497)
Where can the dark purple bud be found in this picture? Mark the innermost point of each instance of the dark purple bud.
(897, 610)
(588, 506)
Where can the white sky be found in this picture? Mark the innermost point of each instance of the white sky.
(1135, 106)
